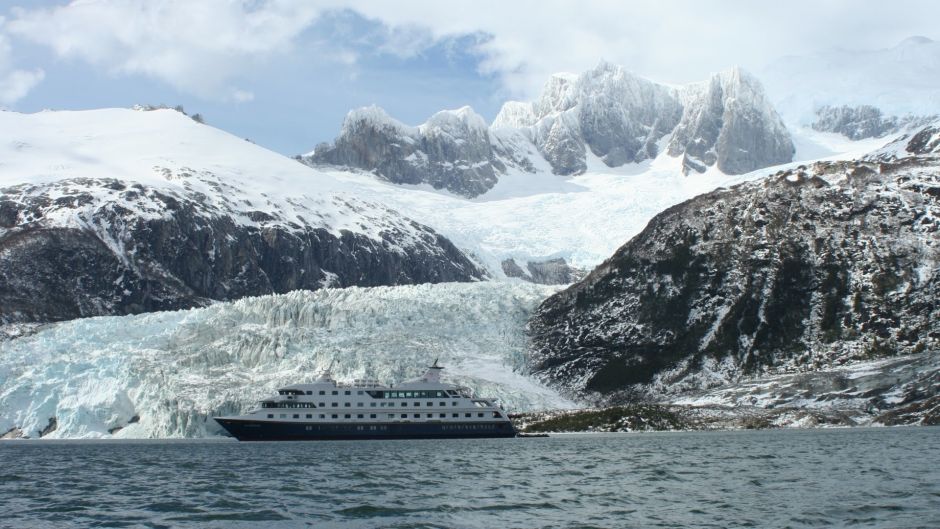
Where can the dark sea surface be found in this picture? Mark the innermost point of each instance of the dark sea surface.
(803, 478)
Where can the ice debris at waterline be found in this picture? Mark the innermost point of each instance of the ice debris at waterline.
(164, 374)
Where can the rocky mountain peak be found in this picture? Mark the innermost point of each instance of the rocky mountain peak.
(729, 122)
(607, 112)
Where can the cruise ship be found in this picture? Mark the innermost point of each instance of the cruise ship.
(424, 408)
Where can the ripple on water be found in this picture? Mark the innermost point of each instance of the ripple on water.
(875, 478)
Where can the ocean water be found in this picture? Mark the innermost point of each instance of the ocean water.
(809, 478)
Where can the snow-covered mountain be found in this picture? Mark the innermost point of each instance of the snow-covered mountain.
(728, 122)
(606, 113)
(865, 121)
(810, 268)
(164, 374)
(453, 150)
(124, 211)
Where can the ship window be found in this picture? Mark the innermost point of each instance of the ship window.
(479, 415)
(404, 404)
(335, 416)
(408, 394)
(391, 415)
(296, 415)
(309, 393)
(430, 415)
(322, 392)
(347, 416)
(442, 404)
(334, 404)
(359, 415)
(359, 404)
(323, 416)
(496, 414)
(270, 416)
(309, 415)
(323, 405)
(404, 415)
(454, 403)
(417, 404)
(359, 392)
(429, 404)
(417, 416)
(372, 404)
(456, 415)
(346, 404)
(334, 392)
(468, 415)
(443, 415)
(372, 416)
(283, 415)
(346, 392)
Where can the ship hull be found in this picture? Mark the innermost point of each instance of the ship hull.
(254, 430)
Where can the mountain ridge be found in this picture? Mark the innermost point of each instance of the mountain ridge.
(607, 112)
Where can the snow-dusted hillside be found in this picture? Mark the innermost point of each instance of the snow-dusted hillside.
(163, 374)
(813, 267)
(122, 211)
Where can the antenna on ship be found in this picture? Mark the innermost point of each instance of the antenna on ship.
(327, 374)
(434, 372)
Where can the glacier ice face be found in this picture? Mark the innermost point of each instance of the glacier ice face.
(165, 374)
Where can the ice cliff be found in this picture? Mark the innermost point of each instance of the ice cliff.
(164, 374)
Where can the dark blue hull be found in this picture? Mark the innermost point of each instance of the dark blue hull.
(248, 430)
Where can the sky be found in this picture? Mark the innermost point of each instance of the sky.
(283, 73)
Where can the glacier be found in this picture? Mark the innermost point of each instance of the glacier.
(166, 374)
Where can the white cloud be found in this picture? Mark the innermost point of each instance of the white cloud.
(672, 41)
(204, 46)
(242, 96)
(197, 47)
(14, 83)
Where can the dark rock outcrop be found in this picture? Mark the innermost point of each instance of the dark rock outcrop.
(92, 251)
(805, 269)
(50, 427)
(550, 272)
(864, 121)
(13, 433)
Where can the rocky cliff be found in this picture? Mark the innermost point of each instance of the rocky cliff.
(116, 262)
(453, 150)
(728, 122)
(810, 268)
